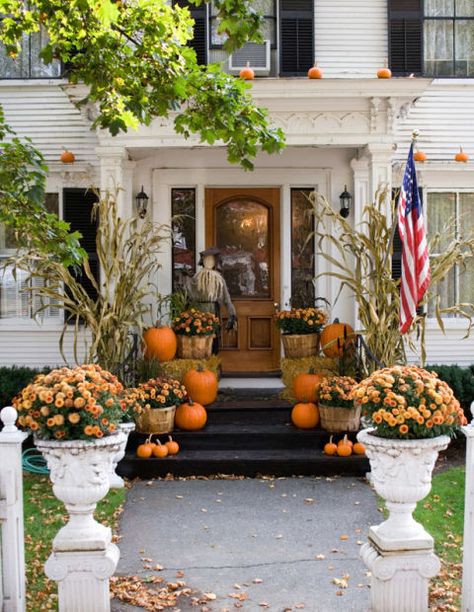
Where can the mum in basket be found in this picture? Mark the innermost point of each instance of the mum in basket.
(195, 331)
(300, 329)
(338, 411)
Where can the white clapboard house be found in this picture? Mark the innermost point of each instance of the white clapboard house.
(348, 130)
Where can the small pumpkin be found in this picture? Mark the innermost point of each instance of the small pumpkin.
(385, 72)
(67, 157)
(330, 448)
(358, 449)
(419, 156)
(190, 416)
(247, 73)
(201, 384)
(344, 447)
(336, 338)
(305, 415)
(315, 72)
(306, 386)
(160, 343)
(172, 446)
(345, 440)
(145, 450)
(461, 156)
(160, 450)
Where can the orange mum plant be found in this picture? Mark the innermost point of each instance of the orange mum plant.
(337, 391)
(156, 393)
(409, 402)
(193, 322)
(301, 320)
(84, 403)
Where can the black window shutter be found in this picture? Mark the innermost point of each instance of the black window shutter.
(77, 211)
(199, 41)
(406, 36)
(296, 37)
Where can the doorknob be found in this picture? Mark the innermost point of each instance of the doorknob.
(276, 306)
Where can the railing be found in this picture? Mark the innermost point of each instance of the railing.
(12, 556)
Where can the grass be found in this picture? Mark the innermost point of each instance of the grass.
(44, 516)
(442, 515)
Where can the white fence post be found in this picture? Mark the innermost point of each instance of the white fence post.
(468, 545)
(11, 514)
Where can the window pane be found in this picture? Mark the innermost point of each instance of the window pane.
(14, 68)
(447, 293)
(464, 8)
(465, 47)
(439, 8)
(242, 228)
(302, 249)
(441, 212)
(466, 212)
(466, 282)
(183, 210)
(38, 69)
(14, 301)
(438, 45)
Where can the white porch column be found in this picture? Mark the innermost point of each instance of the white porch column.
(380, 167)
(468, 544)
(116, 172)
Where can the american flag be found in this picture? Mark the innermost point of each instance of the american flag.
(415, 259)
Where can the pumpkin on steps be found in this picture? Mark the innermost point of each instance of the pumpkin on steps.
(172, 446)
(306, 386)
(344, 447)
(336, 338)
(190, 416)
(160, 450)
(160, 343)
(145, 450)
(305, 415)
(201, 385)
(330, 448)
(358, 449)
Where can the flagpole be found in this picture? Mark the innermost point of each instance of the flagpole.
(414, 136)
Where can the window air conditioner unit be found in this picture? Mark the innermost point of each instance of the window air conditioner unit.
(256, 54)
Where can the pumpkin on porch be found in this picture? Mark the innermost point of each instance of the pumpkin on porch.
(160, 343)
(306, 385)
(461, 156)
(315, 72)
(336, 338)
(247, 73)
(201, 385)
(190, 416)
(305, 415)
(67, 157)
(419, 156)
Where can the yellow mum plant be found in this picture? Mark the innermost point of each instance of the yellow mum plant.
(337, 391)
(156, 393)
(409, 402)
(193, 322)
(85, 403)
(301, 320)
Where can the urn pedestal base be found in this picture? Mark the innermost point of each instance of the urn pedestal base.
(83, 578)
(399, 579)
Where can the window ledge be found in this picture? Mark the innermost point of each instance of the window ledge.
(59, 81)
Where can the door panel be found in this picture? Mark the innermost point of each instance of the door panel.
(245, 225)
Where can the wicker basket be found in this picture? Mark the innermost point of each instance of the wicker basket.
(300, 345)
(156, 420)
(195, 347)
(338, 419)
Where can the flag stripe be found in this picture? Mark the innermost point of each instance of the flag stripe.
(416, 275)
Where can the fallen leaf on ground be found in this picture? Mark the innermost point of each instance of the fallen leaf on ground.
(257, 581)
(210, 596)
(320, 557)
(342, 582)
(309, 500)
(344, 537)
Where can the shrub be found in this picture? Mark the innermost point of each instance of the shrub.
(461, 381)
(12, 381)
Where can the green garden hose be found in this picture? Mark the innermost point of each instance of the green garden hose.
(34, 462)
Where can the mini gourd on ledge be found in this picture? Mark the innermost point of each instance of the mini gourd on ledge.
(461, 156)
(385, 72)
(247, 73)
(315, 72)
(67, 157)
(419, 156)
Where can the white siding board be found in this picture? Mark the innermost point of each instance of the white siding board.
(350, 37)
(449, 348)
(45, 114)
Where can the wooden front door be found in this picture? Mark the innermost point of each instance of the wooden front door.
(245, 225)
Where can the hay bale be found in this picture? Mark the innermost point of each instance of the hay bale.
(290, 368)
(177, 368)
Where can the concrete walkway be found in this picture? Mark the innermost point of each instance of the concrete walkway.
(290, 543)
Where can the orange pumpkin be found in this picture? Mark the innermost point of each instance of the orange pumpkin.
(145, 450)
(315, 72)
(190, 416)
(306, 386)
(172, 446)
(336, 338)
(305, 415)
(461, 156)
(330, 448)
(160, 450)
(419, 156)
(201, 384)
(345, 440)
(344, 447)
(247, 73)
(385, 72)
(358, 448)
(67, 157)
(160, 343)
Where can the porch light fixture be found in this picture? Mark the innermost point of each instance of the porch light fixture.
(141, 200)
(346, 200)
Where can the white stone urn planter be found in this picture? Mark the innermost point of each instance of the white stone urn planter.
(399, 553)
(116, 481)
(83, 557)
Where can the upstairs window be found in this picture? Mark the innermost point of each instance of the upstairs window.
(267, 8)
(199, 41)
(296, 37)
(28, 64)
(432, 37)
